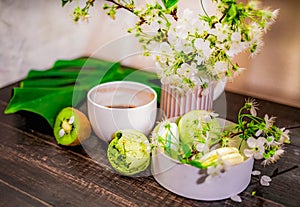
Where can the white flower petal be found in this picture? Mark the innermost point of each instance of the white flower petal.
(253, 111)
(258, 132)
(251, 142)
(236, 37)
(256, 172)
(200, 147)
(264, 183)
(261, 141)
(248, 152)
(266, 178)
(236, 198)
(259, 155)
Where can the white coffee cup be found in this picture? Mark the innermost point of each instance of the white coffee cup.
(120, 105)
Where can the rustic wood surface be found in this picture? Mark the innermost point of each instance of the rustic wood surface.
(36, 171)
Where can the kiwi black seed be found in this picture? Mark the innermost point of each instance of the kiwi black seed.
(71, 127)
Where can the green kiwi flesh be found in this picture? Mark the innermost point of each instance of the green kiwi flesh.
(71, 127)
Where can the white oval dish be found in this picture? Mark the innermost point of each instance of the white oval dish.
(183, 179)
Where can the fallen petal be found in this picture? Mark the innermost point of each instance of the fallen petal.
(256, 172)
(266, 178)
(264, 183)
(236, 198)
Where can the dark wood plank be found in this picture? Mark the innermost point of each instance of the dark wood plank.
(10, 196)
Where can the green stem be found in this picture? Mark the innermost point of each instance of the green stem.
(239, 115)
(241, 144)
(256, 119)
(203, 8)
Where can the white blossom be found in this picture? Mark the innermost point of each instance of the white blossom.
(236, 37)
(235, 48)
(219, 68)
(220, 31)
(278, 153)
(252, 105)
(269, 121)
(186, 70)
(165, 48)
(202, 147)
(284, 138)
(204, 47)
(256, 146)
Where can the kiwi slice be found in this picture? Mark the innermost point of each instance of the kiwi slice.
(71, 127)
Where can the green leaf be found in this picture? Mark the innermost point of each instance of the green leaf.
(196, 163)
(232, 12)
(46, 102)
(64, 2)
(67, 83)
(169, 3)
(187, 152)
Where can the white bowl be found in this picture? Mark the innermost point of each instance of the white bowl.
(183, 179)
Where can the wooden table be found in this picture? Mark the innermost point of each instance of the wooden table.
(36, 171)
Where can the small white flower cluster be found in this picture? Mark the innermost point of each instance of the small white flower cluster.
(195, 49)
(267, 142)
(267, 147)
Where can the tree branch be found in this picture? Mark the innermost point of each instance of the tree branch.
(120, 5)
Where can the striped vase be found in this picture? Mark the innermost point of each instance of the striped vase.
(175, 103)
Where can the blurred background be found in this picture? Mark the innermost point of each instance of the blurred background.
(34, 34)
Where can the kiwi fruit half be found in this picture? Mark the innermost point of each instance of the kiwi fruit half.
(71, 127)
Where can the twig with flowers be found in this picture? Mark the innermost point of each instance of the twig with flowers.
(264, 139)
(193, 48)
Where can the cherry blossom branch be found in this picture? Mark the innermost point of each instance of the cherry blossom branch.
(121, 6)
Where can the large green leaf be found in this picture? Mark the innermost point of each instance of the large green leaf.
(46, 102)
(66, 84)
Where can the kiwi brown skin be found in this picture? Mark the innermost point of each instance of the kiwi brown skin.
(81, 129)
